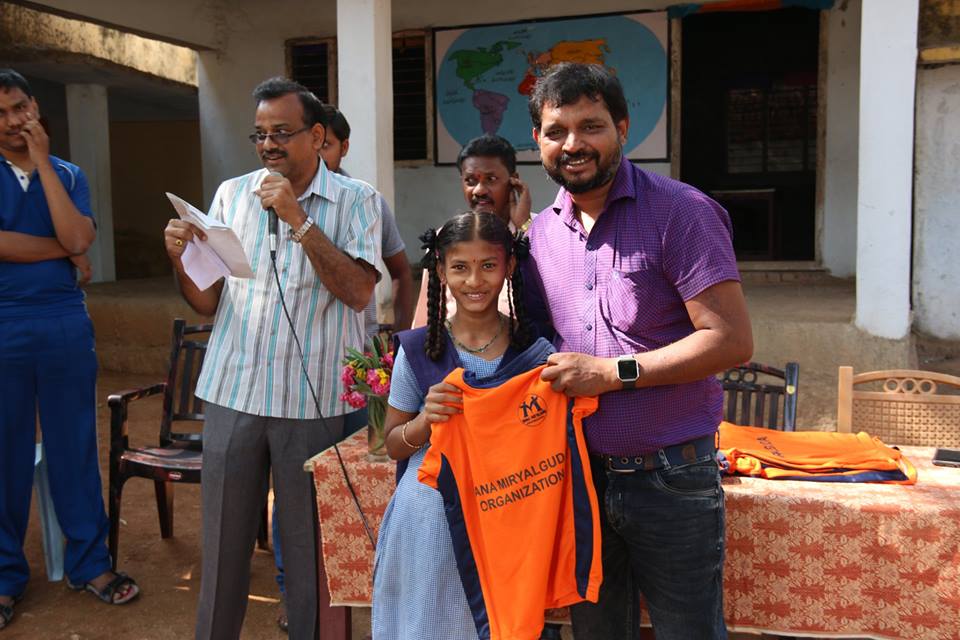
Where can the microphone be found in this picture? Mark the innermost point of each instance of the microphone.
(273, 224)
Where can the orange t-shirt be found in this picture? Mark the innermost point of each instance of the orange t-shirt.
(812, 455)
(514, 473)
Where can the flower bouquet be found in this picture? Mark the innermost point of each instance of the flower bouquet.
(366, 383)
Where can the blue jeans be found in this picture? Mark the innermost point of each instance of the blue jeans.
(662, 538)
(352, 422)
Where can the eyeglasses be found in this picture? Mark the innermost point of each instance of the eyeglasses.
(279, 137)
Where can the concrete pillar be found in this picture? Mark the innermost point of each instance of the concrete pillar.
(89, 123)
(936, 240)
(888, 68)
(838, 233)
(365, 69)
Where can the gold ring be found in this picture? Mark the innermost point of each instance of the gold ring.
(178, 242)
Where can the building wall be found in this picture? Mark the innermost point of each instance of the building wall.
(936, 239)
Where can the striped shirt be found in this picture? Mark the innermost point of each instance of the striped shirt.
(252, 364)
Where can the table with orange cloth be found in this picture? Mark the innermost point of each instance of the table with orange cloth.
(837, 559)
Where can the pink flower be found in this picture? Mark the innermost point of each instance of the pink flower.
(388, 360)
(356, 400)
(372, 377)
(347, 376)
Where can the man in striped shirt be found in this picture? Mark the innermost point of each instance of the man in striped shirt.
(260, 411)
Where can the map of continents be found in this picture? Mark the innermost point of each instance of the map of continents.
(486, 74)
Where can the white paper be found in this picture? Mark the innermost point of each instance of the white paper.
(202, 265)
(220, 255)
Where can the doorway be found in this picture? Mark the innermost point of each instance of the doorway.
(749, 125)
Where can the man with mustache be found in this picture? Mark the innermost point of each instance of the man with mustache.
(637, 276)
(336, 145)
(490, 184)
(260, 411)
(48, 366)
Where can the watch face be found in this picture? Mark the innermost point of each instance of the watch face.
(627, 369)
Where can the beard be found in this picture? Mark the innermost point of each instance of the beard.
(604, 174)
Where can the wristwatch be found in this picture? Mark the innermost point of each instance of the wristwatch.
(297, 235)
(628, 371)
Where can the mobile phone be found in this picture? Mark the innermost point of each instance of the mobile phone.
(947, 458)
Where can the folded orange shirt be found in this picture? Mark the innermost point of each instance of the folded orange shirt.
(825, 456)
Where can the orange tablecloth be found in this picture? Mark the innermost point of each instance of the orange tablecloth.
(837, 559)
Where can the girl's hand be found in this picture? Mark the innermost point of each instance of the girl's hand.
(443, 400)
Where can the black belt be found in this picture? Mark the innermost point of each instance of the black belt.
(672, 456)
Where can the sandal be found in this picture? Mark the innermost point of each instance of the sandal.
(282, 620)
(111, 589)
(6, 612)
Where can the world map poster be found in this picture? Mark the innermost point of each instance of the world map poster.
(485, 75)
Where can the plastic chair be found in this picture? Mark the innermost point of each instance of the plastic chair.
(53, 543)
(900, 406)
(179, 456)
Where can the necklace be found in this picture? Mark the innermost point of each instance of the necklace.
(478, 349)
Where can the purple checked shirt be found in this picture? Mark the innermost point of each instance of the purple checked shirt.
(621, 290)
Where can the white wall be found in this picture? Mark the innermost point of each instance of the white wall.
(838, 234)
(936, 242)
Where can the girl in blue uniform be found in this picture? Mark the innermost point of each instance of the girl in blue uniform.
(417, 591)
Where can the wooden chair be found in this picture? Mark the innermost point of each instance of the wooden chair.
(761, 396)
(179, 456)
(901, 406)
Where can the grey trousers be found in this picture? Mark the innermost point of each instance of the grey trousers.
(239, 451)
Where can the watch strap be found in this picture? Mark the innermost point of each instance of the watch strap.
(297, 235)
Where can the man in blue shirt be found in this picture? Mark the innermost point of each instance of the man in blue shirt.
(47, 361)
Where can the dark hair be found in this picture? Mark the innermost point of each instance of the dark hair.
(489, 146)
(277, 87)
(10, 79)
(567, 82)
(465, 227)
(337, 122)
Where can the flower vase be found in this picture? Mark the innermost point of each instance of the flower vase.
(376, 439)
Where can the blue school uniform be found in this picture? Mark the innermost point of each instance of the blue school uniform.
(417, 591)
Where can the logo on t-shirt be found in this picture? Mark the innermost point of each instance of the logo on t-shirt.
(532, 411)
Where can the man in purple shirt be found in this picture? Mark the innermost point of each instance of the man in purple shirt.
(636, 274)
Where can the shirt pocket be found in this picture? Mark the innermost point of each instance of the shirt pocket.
(627, 299)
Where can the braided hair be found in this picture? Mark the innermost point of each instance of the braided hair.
(465, 227)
